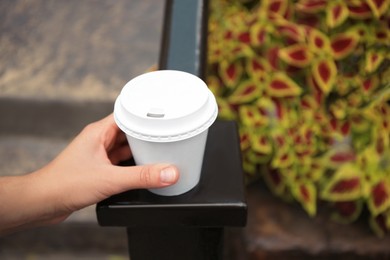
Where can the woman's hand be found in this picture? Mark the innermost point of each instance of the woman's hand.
(81, 175)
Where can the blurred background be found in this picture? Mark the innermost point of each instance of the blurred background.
(62, 64)
(76, 49)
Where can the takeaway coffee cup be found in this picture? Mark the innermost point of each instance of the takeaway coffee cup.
(166, 116)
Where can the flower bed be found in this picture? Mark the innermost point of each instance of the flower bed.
(308, 82)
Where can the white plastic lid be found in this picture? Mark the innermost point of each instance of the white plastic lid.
(165, 106)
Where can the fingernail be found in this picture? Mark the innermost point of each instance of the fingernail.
(168, 175)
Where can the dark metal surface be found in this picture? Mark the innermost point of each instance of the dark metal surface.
(176, 243)
(217, 201)
(183, 45)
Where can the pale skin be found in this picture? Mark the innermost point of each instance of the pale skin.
(83, 174)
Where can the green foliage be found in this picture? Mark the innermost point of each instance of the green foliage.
(308, 82)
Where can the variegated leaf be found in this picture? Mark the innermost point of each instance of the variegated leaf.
(311, 6)
(225, 110)
(324, 74)
(370, 84)
(259, 34)
(359, 10)
(230, 72)
(273, 57)
(379, 199)
(274, 180)
(258, 68)
(253, 116)
(283, 158)
(347, 211)
(336, 13)
(246, 92)
(215, 85)
(261, 143)
(379, 225)
(283, 86)
(318, 42)
(244, 138)
(306, 194)
(292, 31)
(343, 44)
(297, 55)
(378, 7)
(345, 185)
(373, 59)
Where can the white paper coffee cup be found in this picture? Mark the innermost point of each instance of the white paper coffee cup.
(166, 116)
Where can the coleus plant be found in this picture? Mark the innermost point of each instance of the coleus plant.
(308, 82)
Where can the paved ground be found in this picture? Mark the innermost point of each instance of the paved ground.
(76, 49)
(62, 63)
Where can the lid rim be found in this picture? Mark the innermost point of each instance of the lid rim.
(187, 121)
(167, 138)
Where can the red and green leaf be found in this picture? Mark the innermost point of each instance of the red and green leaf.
(336, 13)
(359, 10)
(214, 52)
(297, 55)
(359, 124)
(306, 194)
(324, 74)
(343, 44)
(278, 6)
(261, 143)
(318, 41)
(230, 72)
(292, 31)
(339, 109)
(355, 99)
(258, 34)
(370, 84)
(273, 57)
(244, 37)
(280, 109)
(347, 211)
(282, 86)
(379, 199)
(215, 85)
(225, 110)
(378, 7)
(373, 60)
(283, 158)
(379, 225)
(382, 35)
(252, 116)
(239, 50)
(258, 68)
(309, 103)
(316, 170)
(361, 29)
(345, 185)
(258, 158)
(315, 89)
(309, 20)
(248, 166)
(274, 180)
(245, 141)
(246, 92)
(311, 6)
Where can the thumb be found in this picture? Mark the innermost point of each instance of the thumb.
(147, 176)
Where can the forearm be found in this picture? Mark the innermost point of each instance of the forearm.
(25, 202)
